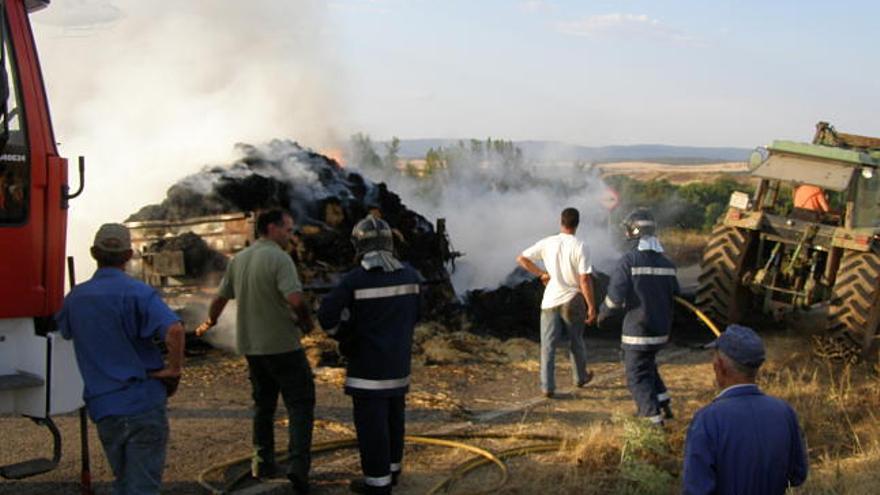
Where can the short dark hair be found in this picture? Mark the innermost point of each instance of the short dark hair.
(750, 372)
(570, 218)
(269, 217)
(107, 259)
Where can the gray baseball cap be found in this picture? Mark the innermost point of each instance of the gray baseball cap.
(113, 238)
(742, 345)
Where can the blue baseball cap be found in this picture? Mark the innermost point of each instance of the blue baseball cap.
(742, 345)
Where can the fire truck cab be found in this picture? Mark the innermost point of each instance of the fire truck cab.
(38, 372)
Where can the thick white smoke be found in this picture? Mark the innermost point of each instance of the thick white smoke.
(150, 91)
(494, 212)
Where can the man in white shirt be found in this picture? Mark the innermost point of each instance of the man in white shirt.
(568, 298)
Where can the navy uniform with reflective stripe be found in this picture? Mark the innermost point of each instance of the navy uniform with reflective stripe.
(373, 314)
(382, 309)
(643, 284)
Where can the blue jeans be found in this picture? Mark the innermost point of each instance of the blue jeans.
(560, 325)
(135, 447)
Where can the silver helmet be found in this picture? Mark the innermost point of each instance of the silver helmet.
(374, 244)
(640, 223)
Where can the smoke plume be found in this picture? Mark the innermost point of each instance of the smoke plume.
(496, 205)
(151, 91)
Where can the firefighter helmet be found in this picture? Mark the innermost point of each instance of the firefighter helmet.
(374, 244)
(640, 223)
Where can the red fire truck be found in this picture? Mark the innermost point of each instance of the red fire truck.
(38, 373)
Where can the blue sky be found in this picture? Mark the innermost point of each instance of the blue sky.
(608, 72)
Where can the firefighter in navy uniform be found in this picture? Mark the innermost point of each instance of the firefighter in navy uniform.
(372, 313)
(643, 285)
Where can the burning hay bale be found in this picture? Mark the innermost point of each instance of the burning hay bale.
(205, 218)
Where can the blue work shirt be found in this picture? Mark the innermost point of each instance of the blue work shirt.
(116, 323)
(744, 442)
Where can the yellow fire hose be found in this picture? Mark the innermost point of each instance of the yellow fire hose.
(702, 316)
(483, 458)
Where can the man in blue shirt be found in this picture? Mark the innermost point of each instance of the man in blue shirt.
(744, 441)
(373, 312)
(115, 322)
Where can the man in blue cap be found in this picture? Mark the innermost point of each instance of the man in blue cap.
(744, 441)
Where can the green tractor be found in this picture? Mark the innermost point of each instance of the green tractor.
(772, 252)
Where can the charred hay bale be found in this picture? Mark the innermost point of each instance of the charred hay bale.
(325, 199)
(254, 192)
(515, 310)
(198, 258)
(508, 311)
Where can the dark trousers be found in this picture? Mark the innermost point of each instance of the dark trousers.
(644, 382)
(290, 374)
(380, 429)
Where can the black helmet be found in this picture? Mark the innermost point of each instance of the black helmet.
(639, 223)
(372, 234)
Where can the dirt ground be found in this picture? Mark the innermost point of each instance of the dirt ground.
(478, 386)
(210, 416)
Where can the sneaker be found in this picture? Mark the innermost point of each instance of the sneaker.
(361, 486)
(666, 410)
(548, 394)
(395, 476)
(586, 380)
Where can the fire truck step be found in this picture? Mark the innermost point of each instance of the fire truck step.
(20, 379)
(27, 468)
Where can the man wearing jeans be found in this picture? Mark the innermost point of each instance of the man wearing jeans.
(115, 322)
(264, 281)
(568, 298)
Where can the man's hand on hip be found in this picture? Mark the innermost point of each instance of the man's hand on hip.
(169, 377)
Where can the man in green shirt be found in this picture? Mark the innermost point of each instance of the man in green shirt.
(264, 281)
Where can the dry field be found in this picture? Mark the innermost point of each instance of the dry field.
(676, 174)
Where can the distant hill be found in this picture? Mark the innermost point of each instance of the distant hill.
(556, 151)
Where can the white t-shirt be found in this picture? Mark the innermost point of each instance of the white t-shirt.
(565, 258)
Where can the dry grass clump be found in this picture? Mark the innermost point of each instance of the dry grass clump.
(598, 449)
(838, 406)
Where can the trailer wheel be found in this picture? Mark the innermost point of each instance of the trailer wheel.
(854, 310)
(720, 292)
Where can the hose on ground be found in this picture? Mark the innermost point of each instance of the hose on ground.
(702, 316)
(483, 457)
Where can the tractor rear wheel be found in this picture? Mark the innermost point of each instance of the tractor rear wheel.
(854, 310)
(720, 292)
